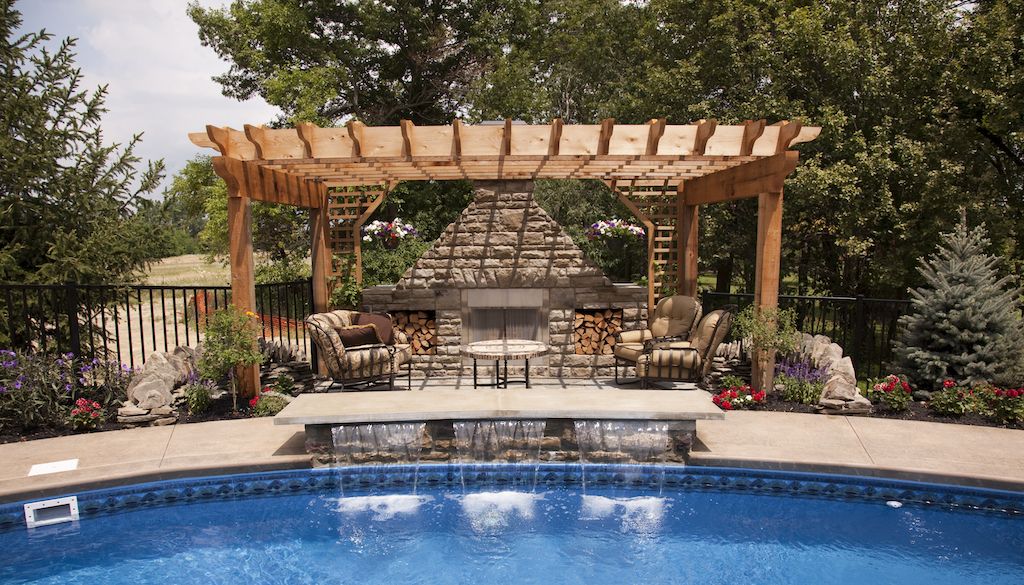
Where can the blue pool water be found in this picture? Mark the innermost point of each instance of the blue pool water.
(501, 524)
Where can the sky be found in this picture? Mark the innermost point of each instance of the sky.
(158, 74)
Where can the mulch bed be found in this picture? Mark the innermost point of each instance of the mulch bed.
(916, 411)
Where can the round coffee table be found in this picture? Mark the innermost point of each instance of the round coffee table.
(501, 351)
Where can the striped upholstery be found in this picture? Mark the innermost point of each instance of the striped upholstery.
(674, 361)
(351, 364)
(673, 316)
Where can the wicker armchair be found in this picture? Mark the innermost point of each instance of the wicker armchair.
(361, 365)
(688, 361)
(673, 321)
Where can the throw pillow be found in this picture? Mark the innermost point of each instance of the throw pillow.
(383, 324)
(355, 335)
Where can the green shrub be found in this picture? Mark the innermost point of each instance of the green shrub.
(199, 396)
(1001, 406)
(731, 381)
(231, 341)
(284, 384)
(797, 390)
(38, 390)
(953, 401)
(267, 404)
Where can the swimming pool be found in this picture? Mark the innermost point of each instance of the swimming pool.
(549, 523)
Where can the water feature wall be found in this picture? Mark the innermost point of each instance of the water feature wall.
(525, 441)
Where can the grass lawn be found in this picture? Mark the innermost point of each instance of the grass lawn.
(187, 270)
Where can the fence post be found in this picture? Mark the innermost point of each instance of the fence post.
(859, 330)
(71, 308)
(314, 356)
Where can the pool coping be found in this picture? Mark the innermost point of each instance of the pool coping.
(784, 442)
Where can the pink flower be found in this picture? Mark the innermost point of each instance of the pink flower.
(948, 383)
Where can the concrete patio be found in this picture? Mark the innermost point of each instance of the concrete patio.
(923, 451)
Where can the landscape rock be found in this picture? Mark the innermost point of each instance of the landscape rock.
(131, 411)
(152, 394)
(143, 418)
(162, 410)
(170, 420)
(922, 395)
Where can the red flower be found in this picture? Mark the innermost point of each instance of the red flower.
(906, 387)
(948, 383)
(726, 405)
(95, 404)
(95, 414)
(75, 411)
(734, 394)
(1012, 393)
(252, 403)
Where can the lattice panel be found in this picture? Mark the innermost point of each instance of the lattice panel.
(348, 208)
(657, 203)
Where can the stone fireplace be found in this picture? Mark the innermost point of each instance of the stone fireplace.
(504, 268)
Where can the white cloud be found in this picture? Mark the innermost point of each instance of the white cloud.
(158, 74)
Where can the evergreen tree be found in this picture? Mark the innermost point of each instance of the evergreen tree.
(68, 202)
(965, 324)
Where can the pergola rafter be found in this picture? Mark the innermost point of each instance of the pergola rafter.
(662, 172)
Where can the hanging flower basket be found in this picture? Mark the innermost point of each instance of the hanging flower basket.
(614, 229)
(389, 233)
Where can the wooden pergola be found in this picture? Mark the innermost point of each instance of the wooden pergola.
(662, 172)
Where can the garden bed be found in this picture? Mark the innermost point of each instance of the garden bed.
(915, 411)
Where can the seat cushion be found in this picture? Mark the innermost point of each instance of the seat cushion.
(672, 364)
(675, 316)
(385, 329)
(365, 362)
(629, 351)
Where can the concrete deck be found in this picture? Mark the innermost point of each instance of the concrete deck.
(945, 453)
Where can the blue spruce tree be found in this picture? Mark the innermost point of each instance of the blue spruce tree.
(965, 322)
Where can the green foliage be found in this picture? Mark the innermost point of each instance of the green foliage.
(267, 404)
(230, 342)
(68, 202)
(346, 294)
(430, 206)
(1004, 407)
(965, 322)
(893, 392)
(199, 396)
(954, 402)
(39, 390)
(769, 329)
(379, 62)
(284, 384)
(288, 269)
(731, 381)
(576, 205)
(386, 266)
(798, 390)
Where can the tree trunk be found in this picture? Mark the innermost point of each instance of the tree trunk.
(723, 277)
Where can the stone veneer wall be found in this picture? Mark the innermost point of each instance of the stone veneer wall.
(504, 240)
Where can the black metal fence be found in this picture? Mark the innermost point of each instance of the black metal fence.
(128, 322)
(865, 327)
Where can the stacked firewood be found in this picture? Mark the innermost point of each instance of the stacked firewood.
(420, 327)
(594, 330)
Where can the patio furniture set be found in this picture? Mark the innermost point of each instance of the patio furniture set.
(679, 344)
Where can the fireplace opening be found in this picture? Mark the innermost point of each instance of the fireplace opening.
(504, 314)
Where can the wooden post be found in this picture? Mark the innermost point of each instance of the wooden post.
(320, 254)
(687, 234)
(243, 283)
(767, 267)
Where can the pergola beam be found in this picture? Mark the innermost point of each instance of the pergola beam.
(741, 181)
